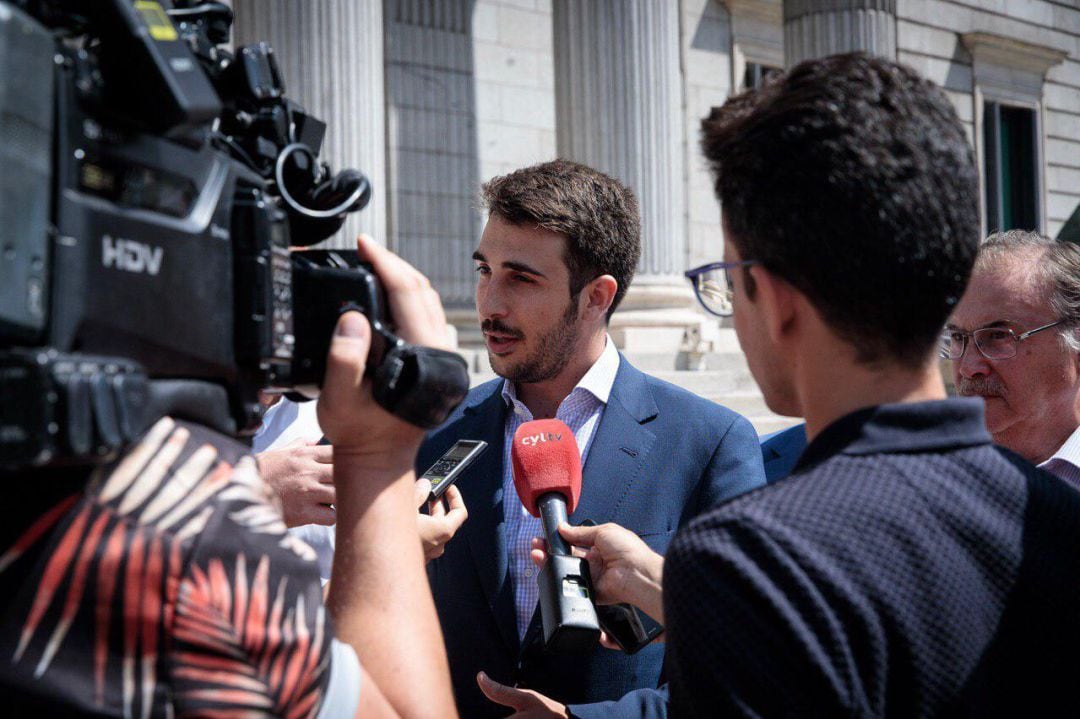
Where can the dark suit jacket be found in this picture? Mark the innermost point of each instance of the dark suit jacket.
(660, 456)
(781, 450)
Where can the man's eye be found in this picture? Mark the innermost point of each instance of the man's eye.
(483, 269)
(996, 335)
(956, 336)
(523, 278)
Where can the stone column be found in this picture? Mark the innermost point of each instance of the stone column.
(432, 147)
(618, 97)
(816, 28)
(330, 53)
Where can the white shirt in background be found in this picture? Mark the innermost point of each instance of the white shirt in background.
(283, 423)
(1065, 463)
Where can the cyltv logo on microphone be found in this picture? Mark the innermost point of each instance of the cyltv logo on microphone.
(545, 458)
(534, 439)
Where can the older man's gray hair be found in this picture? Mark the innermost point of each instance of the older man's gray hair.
(1058, 266)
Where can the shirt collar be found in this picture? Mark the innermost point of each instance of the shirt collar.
(907, 427)
(598, 381)
(1069, 452)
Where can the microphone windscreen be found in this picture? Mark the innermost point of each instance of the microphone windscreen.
(545, 458)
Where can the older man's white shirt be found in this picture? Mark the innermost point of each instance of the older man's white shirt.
(1065, 463)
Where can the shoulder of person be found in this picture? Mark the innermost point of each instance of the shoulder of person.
(287, 421)
(478, 394)
(724, 525)
(476, 397)
(691, 406)
(439, 439)
(780, 451)
(181, 477)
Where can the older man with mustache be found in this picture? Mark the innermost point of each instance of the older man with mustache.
(1014, 340)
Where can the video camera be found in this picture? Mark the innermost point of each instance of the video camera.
(151, 187)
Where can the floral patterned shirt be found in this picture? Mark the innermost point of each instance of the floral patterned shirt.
(164, 586)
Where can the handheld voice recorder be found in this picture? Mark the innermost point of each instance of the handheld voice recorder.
(449, 467)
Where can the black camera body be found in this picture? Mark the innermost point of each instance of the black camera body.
(153, 189)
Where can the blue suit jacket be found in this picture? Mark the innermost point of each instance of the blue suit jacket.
(781, 450)
(660, 456)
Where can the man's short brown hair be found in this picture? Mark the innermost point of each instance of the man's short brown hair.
(597, 214)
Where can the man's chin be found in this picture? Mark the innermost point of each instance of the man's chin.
(998, 416)
(782, 404)
(500, 365)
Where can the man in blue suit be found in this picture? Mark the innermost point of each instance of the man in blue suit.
(555, 259)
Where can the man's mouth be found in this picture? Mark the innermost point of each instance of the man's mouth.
(499, 344)
(500, 338)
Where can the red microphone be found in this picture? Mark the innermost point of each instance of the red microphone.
(546, 459)
(547, 466)
(547, 475)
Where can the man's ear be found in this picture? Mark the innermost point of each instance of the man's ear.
(598, 296)
(776, 298)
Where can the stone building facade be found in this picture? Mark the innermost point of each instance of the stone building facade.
(432, 97)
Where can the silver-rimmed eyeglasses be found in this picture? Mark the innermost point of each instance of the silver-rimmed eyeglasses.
(994, 343)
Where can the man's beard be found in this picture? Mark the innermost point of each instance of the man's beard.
(980, 387)
(552, 353)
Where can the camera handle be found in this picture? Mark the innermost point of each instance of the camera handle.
(421, 385)
(363, 187)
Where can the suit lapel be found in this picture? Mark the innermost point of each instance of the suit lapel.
(620, 448)
(487, 520)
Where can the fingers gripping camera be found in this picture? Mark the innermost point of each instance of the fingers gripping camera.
(421, 385)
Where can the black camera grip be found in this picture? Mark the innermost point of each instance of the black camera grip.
(421, 385)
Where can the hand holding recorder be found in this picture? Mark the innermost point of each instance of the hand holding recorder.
(623, 568)
(445, 516)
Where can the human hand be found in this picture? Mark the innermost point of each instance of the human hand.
(441, 523)
(622, 566)
(414, 304)
(526, 703)
(301, 473)
(348, 414)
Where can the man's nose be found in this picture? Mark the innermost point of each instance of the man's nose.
(972, 363)
(490, 302)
